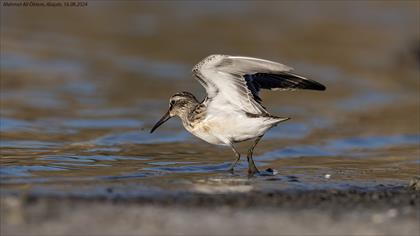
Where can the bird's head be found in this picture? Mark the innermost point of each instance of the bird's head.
(180, 104)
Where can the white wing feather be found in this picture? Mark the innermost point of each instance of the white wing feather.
(222, 77)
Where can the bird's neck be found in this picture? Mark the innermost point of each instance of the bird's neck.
(187, 112)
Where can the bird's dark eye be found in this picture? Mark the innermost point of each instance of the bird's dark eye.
(172, 103)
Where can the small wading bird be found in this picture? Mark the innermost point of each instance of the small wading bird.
(232, 111)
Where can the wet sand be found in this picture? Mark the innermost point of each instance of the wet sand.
(380, 210)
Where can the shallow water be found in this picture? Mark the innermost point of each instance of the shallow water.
(80, 91)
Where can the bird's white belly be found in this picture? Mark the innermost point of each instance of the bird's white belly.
(227, 129)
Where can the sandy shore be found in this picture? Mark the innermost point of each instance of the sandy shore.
(382, 211)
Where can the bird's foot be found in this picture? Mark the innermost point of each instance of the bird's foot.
(253, 171)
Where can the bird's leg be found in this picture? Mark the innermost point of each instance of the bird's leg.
(238, 157)
(252, 169)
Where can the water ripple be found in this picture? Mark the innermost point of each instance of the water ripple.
(340, 146)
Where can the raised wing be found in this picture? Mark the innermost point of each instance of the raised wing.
(235, 81)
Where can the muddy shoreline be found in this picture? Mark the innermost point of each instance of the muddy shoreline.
(379, 196)
(355, 211)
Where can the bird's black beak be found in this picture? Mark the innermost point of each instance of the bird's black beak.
(162, 120)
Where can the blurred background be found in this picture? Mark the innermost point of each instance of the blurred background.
(82, 86)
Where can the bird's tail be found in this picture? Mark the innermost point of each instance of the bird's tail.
(277, 119)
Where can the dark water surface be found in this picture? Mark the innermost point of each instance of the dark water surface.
(81, 88)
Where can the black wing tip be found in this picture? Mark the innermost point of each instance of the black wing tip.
(313, 85)
(318, 87)
(285, 80)
(307, 83)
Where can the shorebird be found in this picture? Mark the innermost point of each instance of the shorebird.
(232, 111)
